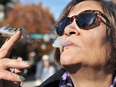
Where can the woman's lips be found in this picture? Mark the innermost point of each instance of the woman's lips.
(66, 43)
(69, 44)
(63, 42)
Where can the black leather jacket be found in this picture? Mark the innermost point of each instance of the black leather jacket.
(54, 80)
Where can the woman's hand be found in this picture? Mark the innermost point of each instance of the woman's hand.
(12, 79)
(6, 48)
(8, 78)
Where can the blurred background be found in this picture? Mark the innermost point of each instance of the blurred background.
(37, 18)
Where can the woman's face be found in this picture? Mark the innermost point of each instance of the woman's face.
(89, 46)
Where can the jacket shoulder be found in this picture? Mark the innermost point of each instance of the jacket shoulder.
(54, 80)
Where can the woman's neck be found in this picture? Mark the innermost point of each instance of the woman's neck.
(90, 77)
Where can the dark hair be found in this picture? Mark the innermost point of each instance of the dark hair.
(109, 9)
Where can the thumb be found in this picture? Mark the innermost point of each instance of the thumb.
(6, 75)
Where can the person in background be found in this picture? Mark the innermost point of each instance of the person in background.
(48, 69)
(32, 69)
(32, 56)
(38, 74)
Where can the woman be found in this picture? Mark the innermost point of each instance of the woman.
(89, 59)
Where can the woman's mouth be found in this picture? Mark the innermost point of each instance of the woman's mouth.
(68, 45)
(65, 43)
(62, 42)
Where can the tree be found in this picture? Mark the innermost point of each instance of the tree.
(34, 18)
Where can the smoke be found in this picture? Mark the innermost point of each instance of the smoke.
(60, 42)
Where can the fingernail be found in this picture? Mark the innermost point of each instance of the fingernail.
(15, 29)
(19, 29)
(28, 62)
(20, 58)
(21, 77)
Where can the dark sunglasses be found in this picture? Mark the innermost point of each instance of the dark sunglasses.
(85, 20)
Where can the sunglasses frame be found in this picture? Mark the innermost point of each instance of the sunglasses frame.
(96, 12)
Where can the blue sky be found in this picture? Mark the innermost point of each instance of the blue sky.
(56, 6)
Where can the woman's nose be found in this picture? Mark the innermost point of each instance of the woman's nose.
(71, 29)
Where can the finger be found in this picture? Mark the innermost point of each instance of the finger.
(10, 43)
(6, 75)
(14, 39)
(13, 63)
(18, 70)
(19, 58)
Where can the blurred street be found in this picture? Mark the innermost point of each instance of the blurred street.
(29, 81)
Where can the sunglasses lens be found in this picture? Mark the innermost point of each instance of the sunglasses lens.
(62, 25)
(85, 20)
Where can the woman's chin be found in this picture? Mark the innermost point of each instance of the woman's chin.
(65, 58)
(68, 59)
